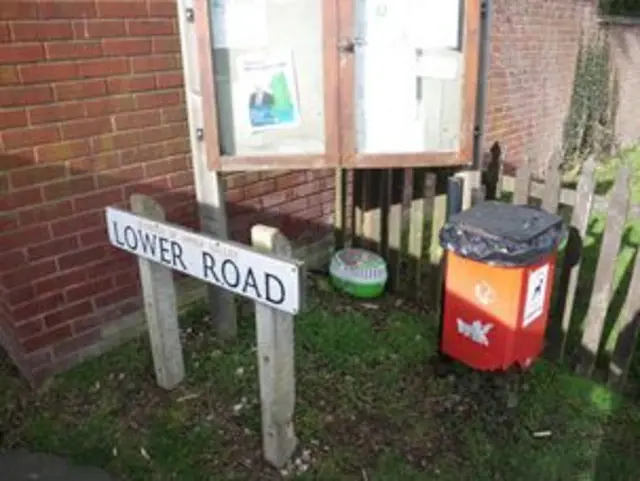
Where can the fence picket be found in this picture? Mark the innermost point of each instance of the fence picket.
(523, 184)
(601, 294)
(568, 283)
(394, 225)
(628, 333)
(423, 192)
(551, 197)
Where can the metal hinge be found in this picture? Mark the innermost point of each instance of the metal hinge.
(484, 7)
(190, 15)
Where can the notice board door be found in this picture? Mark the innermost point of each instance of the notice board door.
(408, 81)
(269, 69)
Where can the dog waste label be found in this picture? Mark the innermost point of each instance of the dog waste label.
(536, 294)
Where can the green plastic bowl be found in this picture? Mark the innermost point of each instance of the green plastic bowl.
(359, 273)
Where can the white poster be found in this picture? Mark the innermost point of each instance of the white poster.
(387, 107)
(436, 24)
(269, 91)
(536, 294)
(239, 23)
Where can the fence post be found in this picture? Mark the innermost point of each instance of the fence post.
(160, 306)
(603, 282)
(552, 184)
(523, 183)
(275, 338)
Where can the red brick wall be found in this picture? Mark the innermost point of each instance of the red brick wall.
(533, 55)
(91, 111)
(624, 35)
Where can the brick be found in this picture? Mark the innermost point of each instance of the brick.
(153, 100)
(77, 223)
(28, 273)
(10, 259)
(45, 213)
(95, 163)
(104, 67)
(18, 10)
(99, 200)
(290, 180)
(59, 281)
(166, 44)
(5, 32)
(122, 85)
(103, 28)
(181, 179)
(166, 80)
(9, 221)
(174, 114)
(109, 105)
(81, 257)
(257, 189)
(148, 28)
(40, 31)
(21, 96)
(68, 187)
(149, 187)
(77, 9)
(47, 338)
(57, 112)
(20, 295)
(29, 329)
(157, 134)
(122, 9)
(80, 89)
(67, 314)
(116, 141)
(73, 50)
(9, 75)
(176, 147)
(86, 128)
(48, 72)
(52, 248)
(62, 151)
(13, 118)
(93, 237)
(143, 153)
(162, 8)
(165, 166)
(14, 53)
(67, 352)
(44, 304)
(89, 289)
(155, 63)
(15, 139)
(116, 295)
(126, 46)
(122, 176)
(137, 120)
(36, 174)
(20, 199)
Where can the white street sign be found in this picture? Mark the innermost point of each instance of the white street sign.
(264, 278)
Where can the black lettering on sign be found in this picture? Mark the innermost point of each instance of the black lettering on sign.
(230, 273)
(250, 283)
(275, 292)
(130, 238)
(116, 231)
(164, 251)
(148, 242)
(176, 253)
(208, 266)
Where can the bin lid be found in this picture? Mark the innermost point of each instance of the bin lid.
(497, 232)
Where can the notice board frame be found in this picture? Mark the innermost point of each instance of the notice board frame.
(339, 101)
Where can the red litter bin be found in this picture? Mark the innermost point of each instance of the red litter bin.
(500, 264)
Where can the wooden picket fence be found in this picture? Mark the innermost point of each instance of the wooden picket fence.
(399, 213)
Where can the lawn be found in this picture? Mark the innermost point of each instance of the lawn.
(374, 403)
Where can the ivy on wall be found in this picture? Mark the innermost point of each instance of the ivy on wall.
(628, 8)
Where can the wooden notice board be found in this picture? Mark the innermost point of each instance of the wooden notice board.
(307, 84)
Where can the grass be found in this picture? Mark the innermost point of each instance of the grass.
(373, 403)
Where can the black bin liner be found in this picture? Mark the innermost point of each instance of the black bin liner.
(503, 234)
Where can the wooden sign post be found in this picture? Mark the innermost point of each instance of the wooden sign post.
(266, 275)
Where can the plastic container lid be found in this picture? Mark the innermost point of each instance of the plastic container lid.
(504, 234)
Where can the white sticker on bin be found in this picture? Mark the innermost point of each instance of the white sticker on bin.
(536, 295)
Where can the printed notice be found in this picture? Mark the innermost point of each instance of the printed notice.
(436, 24)
(270, 91)
(536, 294)
(239, 23)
